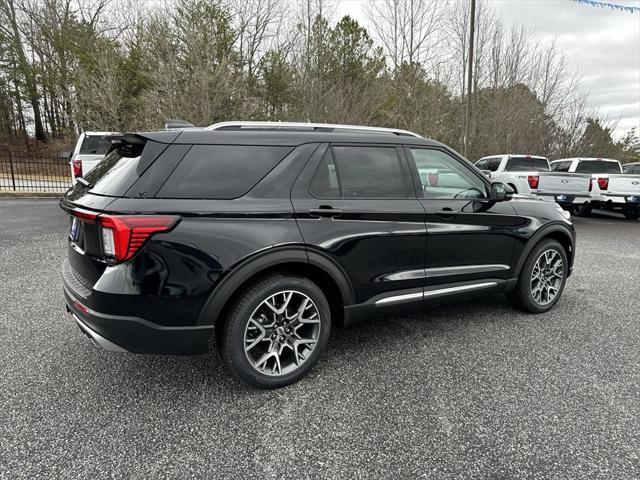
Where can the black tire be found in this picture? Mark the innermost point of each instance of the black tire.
(232, 341)
(632, 213)
(581, 210)
(522, 296)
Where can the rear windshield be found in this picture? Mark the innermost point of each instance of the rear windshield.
(527, 164)
(597, 166)
(94, 145)
(221, 171)
(120, 168)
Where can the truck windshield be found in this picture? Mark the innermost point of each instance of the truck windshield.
(598, 166)
(527, 164)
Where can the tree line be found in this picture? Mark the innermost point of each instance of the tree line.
(121, 65)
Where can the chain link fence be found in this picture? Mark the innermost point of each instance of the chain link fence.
(34, 174)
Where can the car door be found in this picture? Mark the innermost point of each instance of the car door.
(468, 237)
(356, 204)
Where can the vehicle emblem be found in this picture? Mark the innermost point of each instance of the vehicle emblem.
(635, 182)
(564, 181)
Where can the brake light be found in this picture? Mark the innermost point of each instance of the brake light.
(85, 215)
(123, 235)
(81, 307)
(533, 180)
(77, 168)
(590, 184)
(603, 183)
(433, 179)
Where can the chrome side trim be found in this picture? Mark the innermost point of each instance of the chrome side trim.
(99, 340)
(407, 297)
(404, 275)
(464, 269)
(461, 288)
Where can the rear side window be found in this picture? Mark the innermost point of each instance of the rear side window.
(221, 171)
(561, 166)
(94, 145)
(527, 164)
(361, 172)
(493, 164)
(597, 166)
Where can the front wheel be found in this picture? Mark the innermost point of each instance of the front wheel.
(276, 331)
(542, 278)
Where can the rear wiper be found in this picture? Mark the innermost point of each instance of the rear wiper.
(83, 182)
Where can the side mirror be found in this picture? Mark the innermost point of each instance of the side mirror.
(66, 154)
(500, 192)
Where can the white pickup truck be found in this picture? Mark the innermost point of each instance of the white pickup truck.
(90, 148)
(610, 189)
(530, 175)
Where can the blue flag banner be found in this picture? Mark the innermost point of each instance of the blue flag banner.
(613, 6)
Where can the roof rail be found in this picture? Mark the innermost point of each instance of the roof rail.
(305, 127)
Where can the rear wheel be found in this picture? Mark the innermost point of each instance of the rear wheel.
(632, 213)
(276, 331)
(542, 278)
(582, 210)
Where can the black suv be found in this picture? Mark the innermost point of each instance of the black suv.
(264, 239)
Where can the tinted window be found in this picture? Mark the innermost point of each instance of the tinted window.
(221, 171)
(442, 176)
(493, 164)
(325, 180)
(118, 170)
(481, 164)
(633, 169)
(561, 166)
(365, 172)
(597, 166)
(526, 164)
(94, 145)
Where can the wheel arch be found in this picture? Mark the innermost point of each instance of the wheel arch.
(319, 268)
(557, 232)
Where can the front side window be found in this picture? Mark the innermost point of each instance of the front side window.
(360, 172)
(442, 176)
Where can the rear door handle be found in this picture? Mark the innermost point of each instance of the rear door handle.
(325, 211)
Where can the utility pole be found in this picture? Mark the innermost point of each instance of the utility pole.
(467, 121)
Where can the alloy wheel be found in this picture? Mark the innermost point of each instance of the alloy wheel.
(282, 333)
(547, 277)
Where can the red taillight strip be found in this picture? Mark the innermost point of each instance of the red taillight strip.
(130, 232)
(84, 214)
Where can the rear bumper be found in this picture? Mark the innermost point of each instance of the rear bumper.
(562, 198)
(137, 335)
(618, 199)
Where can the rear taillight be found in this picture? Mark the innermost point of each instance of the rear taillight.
(533, 181)
(77, 168)
(603, 183)
(123, 235)
(590, 184)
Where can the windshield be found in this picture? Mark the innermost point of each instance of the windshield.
(94, 145)
(597, 166)
(527, 164)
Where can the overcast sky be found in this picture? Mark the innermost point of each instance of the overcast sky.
(601, 44)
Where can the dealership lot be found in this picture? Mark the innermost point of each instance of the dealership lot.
(468, 391)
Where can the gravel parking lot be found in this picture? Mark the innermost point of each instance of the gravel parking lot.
(474, 390)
